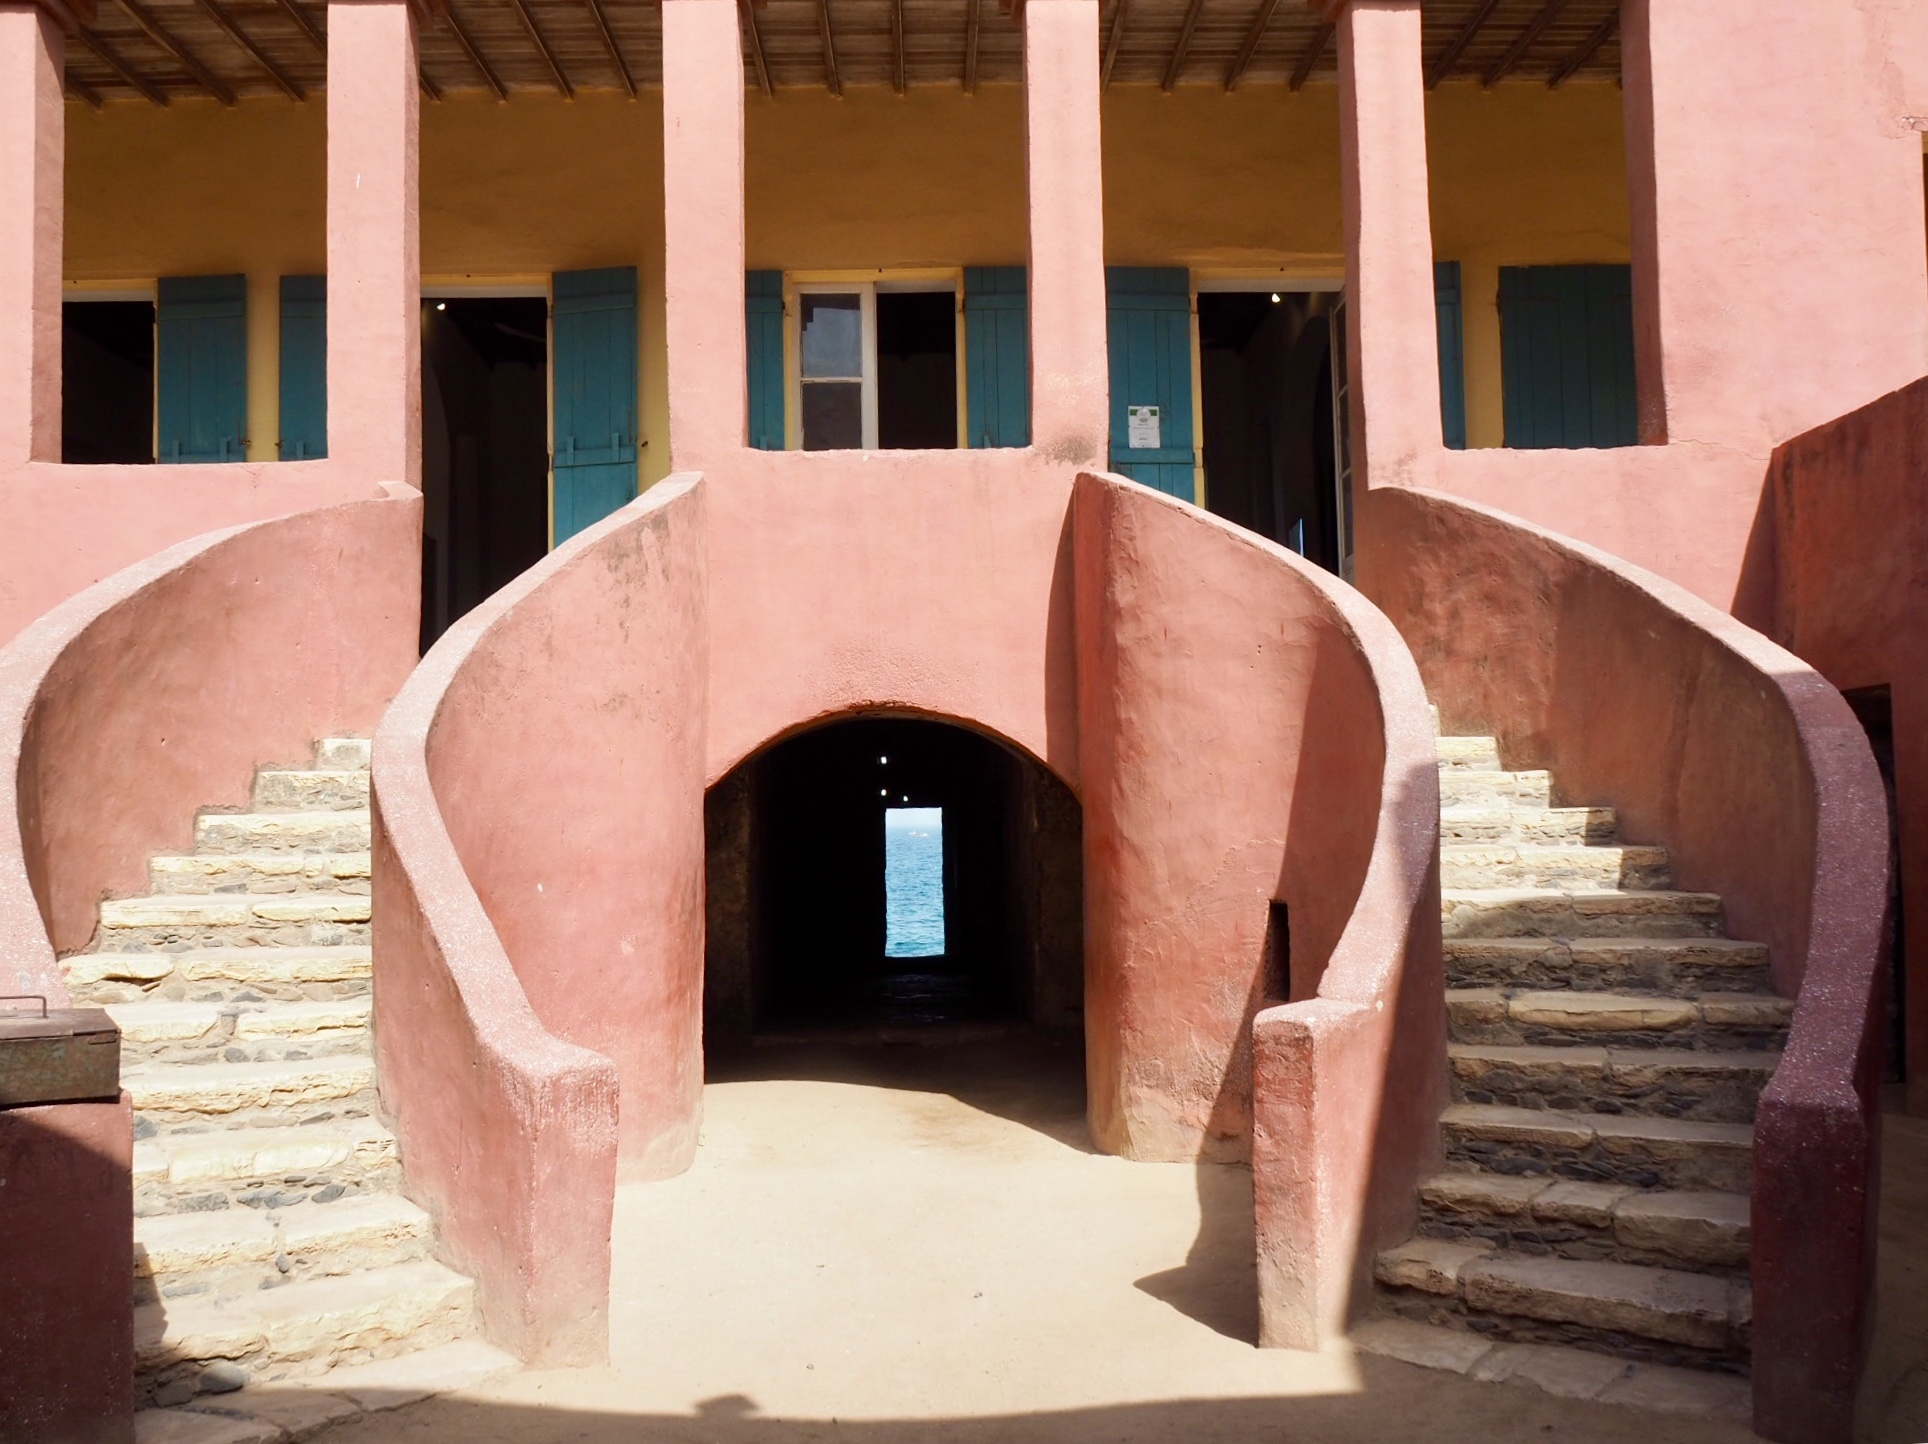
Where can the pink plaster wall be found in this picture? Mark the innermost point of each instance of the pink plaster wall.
(1748, 766)
(32, 153)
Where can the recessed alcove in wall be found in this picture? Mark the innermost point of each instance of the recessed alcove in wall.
(798, 920)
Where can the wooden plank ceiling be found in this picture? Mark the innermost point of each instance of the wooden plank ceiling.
(158, 50)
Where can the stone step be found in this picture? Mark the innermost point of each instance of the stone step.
(237, 1032)
(1680, 967)
(185, 1255)
(225, 1167)
(341, 830)
(1630, 1149)
(1661, 1082)
(173, 1096)
(1470, 787)
(1535, 826)
(346, 754)
(1515, 865)
(215, 974)
(1712, 1021)
(310, 789)
(208, 920)
(1704, 1232)
(303, 1327)
(1537, 912)
(273, 873)
(1480, 754)
(1635, 1311)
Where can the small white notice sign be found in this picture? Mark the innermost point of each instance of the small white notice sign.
(1141, 428)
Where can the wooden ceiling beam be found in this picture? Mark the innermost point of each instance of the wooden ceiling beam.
(217, 12)
(1113, 38)
(609, 43)
(128, 74)
(1588, 48)
(832, 77)
(1523, 43)
(970, 46)
(1315, 50)
(1444, 62)
(429, 87)
(1251, 46)
(82, 91)
(1181, 46)
(563, 87)
(486, 70)
(156, 32)
(897, 46)
(304, 25)
(757, 59)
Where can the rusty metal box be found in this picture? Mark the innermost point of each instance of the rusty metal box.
(56, 1055)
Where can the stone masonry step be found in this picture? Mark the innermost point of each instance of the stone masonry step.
(223, 1167)
(310, 790)
(295, 919)
(1633, 1150)
(1660, 1082)
(1535, 826)
(1713, 1021)
(1679, 967)
(1472, 787)
(216, 974)
(1703, 1232)
(176, 1096)
(1477, 753)
(1530, 912)
(342, 830)
(1657, 1314)
(304, 1327)
(1514, 865)
(184, 1255)
(347, 754)
(235, 1032)
(259, 872)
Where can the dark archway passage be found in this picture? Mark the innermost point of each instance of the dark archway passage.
(797, 913)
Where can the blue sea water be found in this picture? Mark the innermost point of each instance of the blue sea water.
(913, 882)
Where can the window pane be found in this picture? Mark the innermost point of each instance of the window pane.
(833, 340)
(833, 415)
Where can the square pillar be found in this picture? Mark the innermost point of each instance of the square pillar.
(703, 231)
(374, 241)
(1064, 154)
(1392, 345)
(32, 157)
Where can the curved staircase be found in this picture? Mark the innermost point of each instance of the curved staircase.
(271, 1239)
(1607, 1047)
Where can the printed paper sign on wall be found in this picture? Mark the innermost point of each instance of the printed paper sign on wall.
(1141, 428)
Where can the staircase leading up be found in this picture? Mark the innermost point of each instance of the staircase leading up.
(1607, 1047)
(271, 1240)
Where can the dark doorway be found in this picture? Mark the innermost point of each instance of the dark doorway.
(916, 370)
(800, 924)
(485, 450)
(107, 381)
(1874, 709)
(1265, 375)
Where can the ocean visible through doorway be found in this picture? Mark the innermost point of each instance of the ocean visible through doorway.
(914, 882)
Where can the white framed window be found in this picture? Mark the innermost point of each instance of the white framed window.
(877, 364)
(837, 365)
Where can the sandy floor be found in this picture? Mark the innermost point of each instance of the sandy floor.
(906, 1243)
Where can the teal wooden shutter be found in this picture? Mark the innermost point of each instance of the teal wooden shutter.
(1450, 313)
(763, 333)
(201, 368)
(595, 395)
(1149, 331)
(1566, 356)
(304, 367)
(997, 357)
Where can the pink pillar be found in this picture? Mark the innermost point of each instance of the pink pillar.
(1070, 390)
(32, 150)
(703, 230)
(1778, 268)
(1391, 333)
(374, 241)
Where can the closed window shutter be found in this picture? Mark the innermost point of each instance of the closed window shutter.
(1149, 332)
(594, 364)
(997, 360)
(1450, 313)
(304, 367)
(201, 368)
(763, 334)
(1566, 356)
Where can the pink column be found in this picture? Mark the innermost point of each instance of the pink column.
(32, 150)
(374, 241)
(1070, 391)
(703, 230)
(1391, 334)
